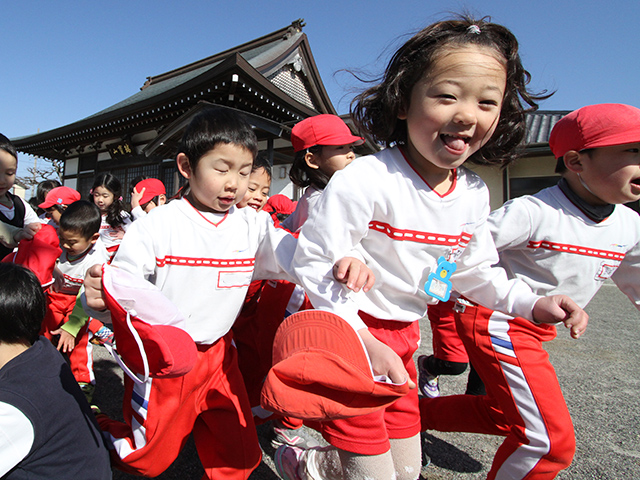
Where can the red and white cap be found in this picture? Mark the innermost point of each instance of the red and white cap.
(322, 372)
(148, 328)
(152, 188)
(595, 126)
(324, 129)
(60, 196)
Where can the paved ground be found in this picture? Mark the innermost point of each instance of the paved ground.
(599, 374)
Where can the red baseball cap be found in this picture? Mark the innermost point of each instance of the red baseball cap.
(322, 129)
(60, 196)
(322, 372)
(147, 326)
(152, 188)
(593, 126)
(280, 203)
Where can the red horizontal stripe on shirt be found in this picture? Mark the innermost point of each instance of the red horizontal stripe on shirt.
(420, 237)
(205, 262)
(576, 249)
(72, 279)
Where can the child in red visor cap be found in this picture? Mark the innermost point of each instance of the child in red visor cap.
(147, 195)
(57, 201)
(567, 239)
(323, 145)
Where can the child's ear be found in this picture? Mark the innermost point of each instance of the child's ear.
(573, 161)
(94, 238)
(311, 160)
(162, 199)
(184, 167)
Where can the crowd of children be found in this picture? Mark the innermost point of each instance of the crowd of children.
(382, 241)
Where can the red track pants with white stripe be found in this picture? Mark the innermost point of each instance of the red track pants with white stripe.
(523, 402)
(59, 307)
(209, 401)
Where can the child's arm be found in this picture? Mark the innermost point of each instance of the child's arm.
(69, 331)
(66, 342)
(560, 308)
(136, 197)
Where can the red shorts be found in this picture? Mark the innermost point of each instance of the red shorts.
(447, 344)
(370, 434)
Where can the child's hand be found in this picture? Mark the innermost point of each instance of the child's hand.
(354, 273)
(67, 342)
(560, 308)
(93, 288)
(136, 197)
(385, 361)
(27, 232)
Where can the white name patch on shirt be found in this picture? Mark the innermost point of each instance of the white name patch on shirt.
(234, 279)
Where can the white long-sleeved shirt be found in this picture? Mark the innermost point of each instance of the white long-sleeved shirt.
(204, 263)
(306, 204)
(549, 243)
(380, 204)
(69, 275)
(110, 235)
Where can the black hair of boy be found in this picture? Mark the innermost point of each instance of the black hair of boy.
(81, 217)
(261, 161)
(7, 146)
(22, 304)
(213, 126)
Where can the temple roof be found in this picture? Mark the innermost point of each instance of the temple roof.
(274, 77)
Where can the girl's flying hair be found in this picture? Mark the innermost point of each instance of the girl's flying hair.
(376, 109)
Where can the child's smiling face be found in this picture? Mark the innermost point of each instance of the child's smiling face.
(258, 190)
(220, 178)
(454, 109)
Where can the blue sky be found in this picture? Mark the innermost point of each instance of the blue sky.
(64, 60)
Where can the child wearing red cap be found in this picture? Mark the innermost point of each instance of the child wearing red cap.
(454, 92)
(56, 202)
(566, 239)
(14, 211)
(323, 145)
(147, 194)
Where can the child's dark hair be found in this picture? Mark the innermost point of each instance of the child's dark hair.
(302, 175)
(81, 217)
(261, 161)
(22, 304)
(376, 109)
(7, 146)
(213, 126)
(115, 212)
(45, 187)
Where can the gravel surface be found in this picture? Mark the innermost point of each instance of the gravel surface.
(600, 378)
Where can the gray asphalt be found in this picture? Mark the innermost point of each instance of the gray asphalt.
(599, 375)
